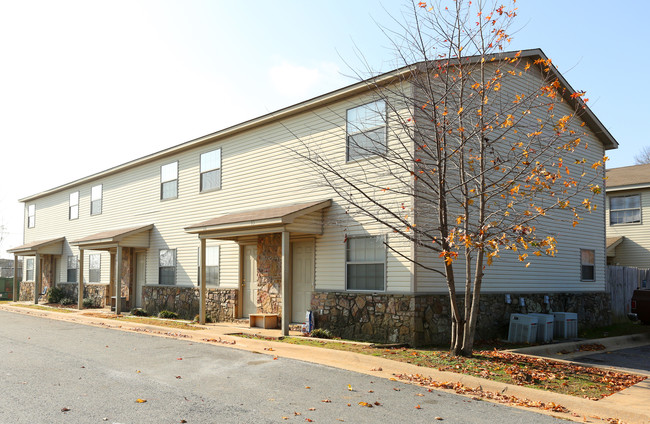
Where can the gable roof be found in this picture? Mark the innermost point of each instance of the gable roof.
(34, 246)
(110, 236)
(361, 87)
(628, 177)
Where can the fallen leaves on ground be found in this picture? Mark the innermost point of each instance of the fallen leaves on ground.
(64, 409)
(591, 347)
(141, 400)
(220, 340)
(366, 404)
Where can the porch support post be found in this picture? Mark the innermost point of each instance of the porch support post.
(37, 277)
(202, 290)
(80, 280)
(118, 280)
(15, 294)
(286, 287)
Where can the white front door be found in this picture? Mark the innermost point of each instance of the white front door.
(140, 273)
(302, 278)
(249, 281)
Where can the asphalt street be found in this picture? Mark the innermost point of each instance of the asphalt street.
(61, 372)
(632, 359)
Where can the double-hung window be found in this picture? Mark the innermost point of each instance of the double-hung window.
(366, 130)
(94, 268)
(72, 269)
(625, 209)
(169, 181)
(167, 267)
(365, 264)
(73, 205)
(211, 265)
(211, 170)
(96, 194)
(31, 216)
(29, 269)
(587, 264)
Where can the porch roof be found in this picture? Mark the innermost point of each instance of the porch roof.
(256, 220)
(52, 246)
(128, 237)
(612, 242)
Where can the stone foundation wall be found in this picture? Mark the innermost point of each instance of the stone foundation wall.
(269, 274)
(96, 292)
(26, 291)
(185, 301)
(425, 320)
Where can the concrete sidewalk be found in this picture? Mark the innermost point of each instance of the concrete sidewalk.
(629, 406)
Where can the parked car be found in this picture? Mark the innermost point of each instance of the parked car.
(640, 308)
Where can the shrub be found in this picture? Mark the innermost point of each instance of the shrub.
(207, 318)
(321, 333)
(89, 303)
(54, 295)
(139, 312)
(167, 314)
(67, 301)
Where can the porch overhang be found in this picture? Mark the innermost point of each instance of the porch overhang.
(263, 221)
(137, 237)
(41, 247)
(612, 243)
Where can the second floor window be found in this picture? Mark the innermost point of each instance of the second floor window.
(366, 130)
(94, 268)
(31, 216)
(96, 194)
(72, 269)
(587, 264)
(625, 210)
(73, 206)
(211, 170)
(169, 181)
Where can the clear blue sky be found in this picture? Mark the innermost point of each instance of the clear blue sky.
(86, 85)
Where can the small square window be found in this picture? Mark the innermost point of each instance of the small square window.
(73, 206)
(211, 170)
(366, 130)
(94, 268)
(587, 264)
(31, 216)
(96, 195)
(169, 181)
(167, 267)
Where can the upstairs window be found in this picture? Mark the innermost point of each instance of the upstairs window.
(73, 206)
(72, 269)
(365, 264)
(29, 269)
(31, 216)
(587, 264)
(366, 130)
(211, 266)
(94, 268)
(96, 194)
(167, 267)
(169, 181)
(211, 170)
(625, 210)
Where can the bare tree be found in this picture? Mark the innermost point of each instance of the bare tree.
(643, 157)
(477, 143)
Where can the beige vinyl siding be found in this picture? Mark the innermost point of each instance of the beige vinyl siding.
(258, 171)
(635, 249)
(545, 274)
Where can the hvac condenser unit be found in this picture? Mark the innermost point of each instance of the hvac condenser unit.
(545, 323)
(566, 325)
(523, 328)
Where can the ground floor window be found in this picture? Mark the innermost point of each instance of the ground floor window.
(211, 266)
(29, 269)
(587, 264)
(72, 269)
(167, 267)
(94, 268)
(365, 264)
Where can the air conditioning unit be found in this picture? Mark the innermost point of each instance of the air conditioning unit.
(566, 325)
(545, 324)
(523, 328)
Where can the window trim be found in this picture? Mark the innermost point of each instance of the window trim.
(76, 269)
(201, 171)
(31, 216)
(380, 239)
(348, 132)
(640, 208)
(27, 269)
(70, 206)
(593, 265)
(101, 199)
(175, 267)
(90, 280)
(162, 183)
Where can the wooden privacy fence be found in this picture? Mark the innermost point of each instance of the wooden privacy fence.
(621, 283)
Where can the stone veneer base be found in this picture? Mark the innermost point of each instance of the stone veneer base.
(425, 319)
(220, 303)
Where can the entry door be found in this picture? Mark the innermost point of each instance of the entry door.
(249, 282)
(302, 279)
(140, 274)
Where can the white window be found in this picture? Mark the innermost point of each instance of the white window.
(169, 181)
(211, 170)
(73, 206)
(94, 268)
(29, 269)
(31, 216)
(587, 264)
(625, 209)
(167, 267)
(72, 269)
(211, 266)
(365, 264)
(366, 130)
(96, 194)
